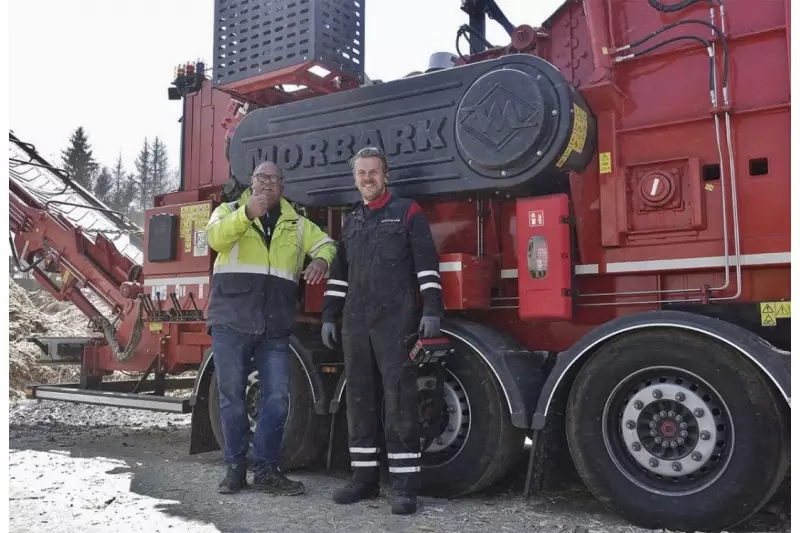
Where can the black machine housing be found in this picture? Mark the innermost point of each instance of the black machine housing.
(512, 124)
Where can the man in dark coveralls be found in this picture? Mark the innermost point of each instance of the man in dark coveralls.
(385, 254)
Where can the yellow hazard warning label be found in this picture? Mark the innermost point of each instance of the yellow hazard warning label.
(709, 187)
(772, 311)
(605, 163)
(578, 138)
(155, 327)
(193, 218)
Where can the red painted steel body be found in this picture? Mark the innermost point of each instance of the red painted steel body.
(647, 211)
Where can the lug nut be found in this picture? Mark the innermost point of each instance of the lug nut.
(673, 444)
(678, 418)
(450, 427)
(680, 397)
(630, 424)
(451, 409)
(653, 433)
(636, 446)
(684, 433)
(698, 412)
(671, 414)
(665, 444)
(652, 425)
(663, 414)
(676, 466)
(638, 405)
(697, 456)
(684, 425)
(440, 441)
(705, 435)
(654, 462)
(680, 441)
(657, 440)
(656, 418)
(657, 394)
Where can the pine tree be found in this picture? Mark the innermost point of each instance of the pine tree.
(144, 175)
(78, 160)
(161, 181)
(104, 186)
(119, 182)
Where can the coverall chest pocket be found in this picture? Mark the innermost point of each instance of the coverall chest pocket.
(391, 242)
(284, 248)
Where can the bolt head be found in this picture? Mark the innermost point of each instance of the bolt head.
(698, 412)
(697, 456)
(657, 394)
(664, 444)
(684, 425)
(440, 441)
(638, 405)
(450, 427)
(680, 441)
(653, 433)
(657, 440)
(630, 424)
(451, 409)
(671, 414)
(705, 435)
(654, 462)
(539, 153)
(673, 444)
(676, 466)
(680, 397)
(636, 446)
(555, 112)
(652, 425)
(678, 418)
(503, 173)
(656, 418)
(684, 433)
(662, 414)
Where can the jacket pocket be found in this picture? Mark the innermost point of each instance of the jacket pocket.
(233, 285)
(391, 242)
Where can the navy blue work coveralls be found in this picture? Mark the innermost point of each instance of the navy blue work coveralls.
(386, 257)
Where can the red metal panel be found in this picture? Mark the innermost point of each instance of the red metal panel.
(544, 258)
(466, 281)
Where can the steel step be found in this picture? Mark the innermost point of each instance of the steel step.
(146, 402)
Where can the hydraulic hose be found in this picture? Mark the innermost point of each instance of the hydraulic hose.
(672, 8)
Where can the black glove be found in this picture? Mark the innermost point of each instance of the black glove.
(429, 327)
(329, 334)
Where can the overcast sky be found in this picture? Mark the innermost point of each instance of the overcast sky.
(107, 64)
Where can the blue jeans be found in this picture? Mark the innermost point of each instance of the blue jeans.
(232, 353)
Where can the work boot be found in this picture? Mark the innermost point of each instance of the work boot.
(235, 479)
(404, 503)
(355, 491)
(272, 480)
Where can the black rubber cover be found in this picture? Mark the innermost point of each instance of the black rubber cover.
(512, 124)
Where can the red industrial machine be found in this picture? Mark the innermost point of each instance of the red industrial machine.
(609, 194)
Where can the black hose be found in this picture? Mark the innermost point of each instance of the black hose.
(672, 8)
(705, 43)
(723, 41)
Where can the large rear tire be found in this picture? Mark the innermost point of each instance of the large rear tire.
(305, 433)
(482, 444)
(676, 430)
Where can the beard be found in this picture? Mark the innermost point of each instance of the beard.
(371, 190)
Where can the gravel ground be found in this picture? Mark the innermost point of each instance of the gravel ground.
(95, 469)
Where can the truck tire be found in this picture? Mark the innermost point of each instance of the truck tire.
(484, 445)
(725, 427)
(305, 433)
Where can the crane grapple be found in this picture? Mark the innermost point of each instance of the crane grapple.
(512, 124)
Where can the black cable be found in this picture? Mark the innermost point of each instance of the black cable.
(705, 43)
(723, 41)
(672, 8)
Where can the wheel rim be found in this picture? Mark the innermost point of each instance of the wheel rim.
(455, 421)
(252, 395)
(668, 430)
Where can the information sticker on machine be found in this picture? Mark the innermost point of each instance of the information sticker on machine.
(193, 218)
(200, 244)
(535, 218)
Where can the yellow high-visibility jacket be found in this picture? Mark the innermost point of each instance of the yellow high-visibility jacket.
(254, 287)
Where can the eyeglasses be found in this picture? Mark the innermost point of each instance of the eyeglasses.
(268, 178)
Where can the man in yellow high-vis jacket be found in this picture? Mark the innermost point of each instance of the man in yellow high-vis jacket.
(261, 244)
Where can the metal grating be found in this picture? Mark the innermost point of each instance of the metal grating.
(256, 37)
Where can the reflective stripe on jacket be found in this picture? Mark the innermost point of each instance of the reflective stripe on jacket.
(254, 287)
